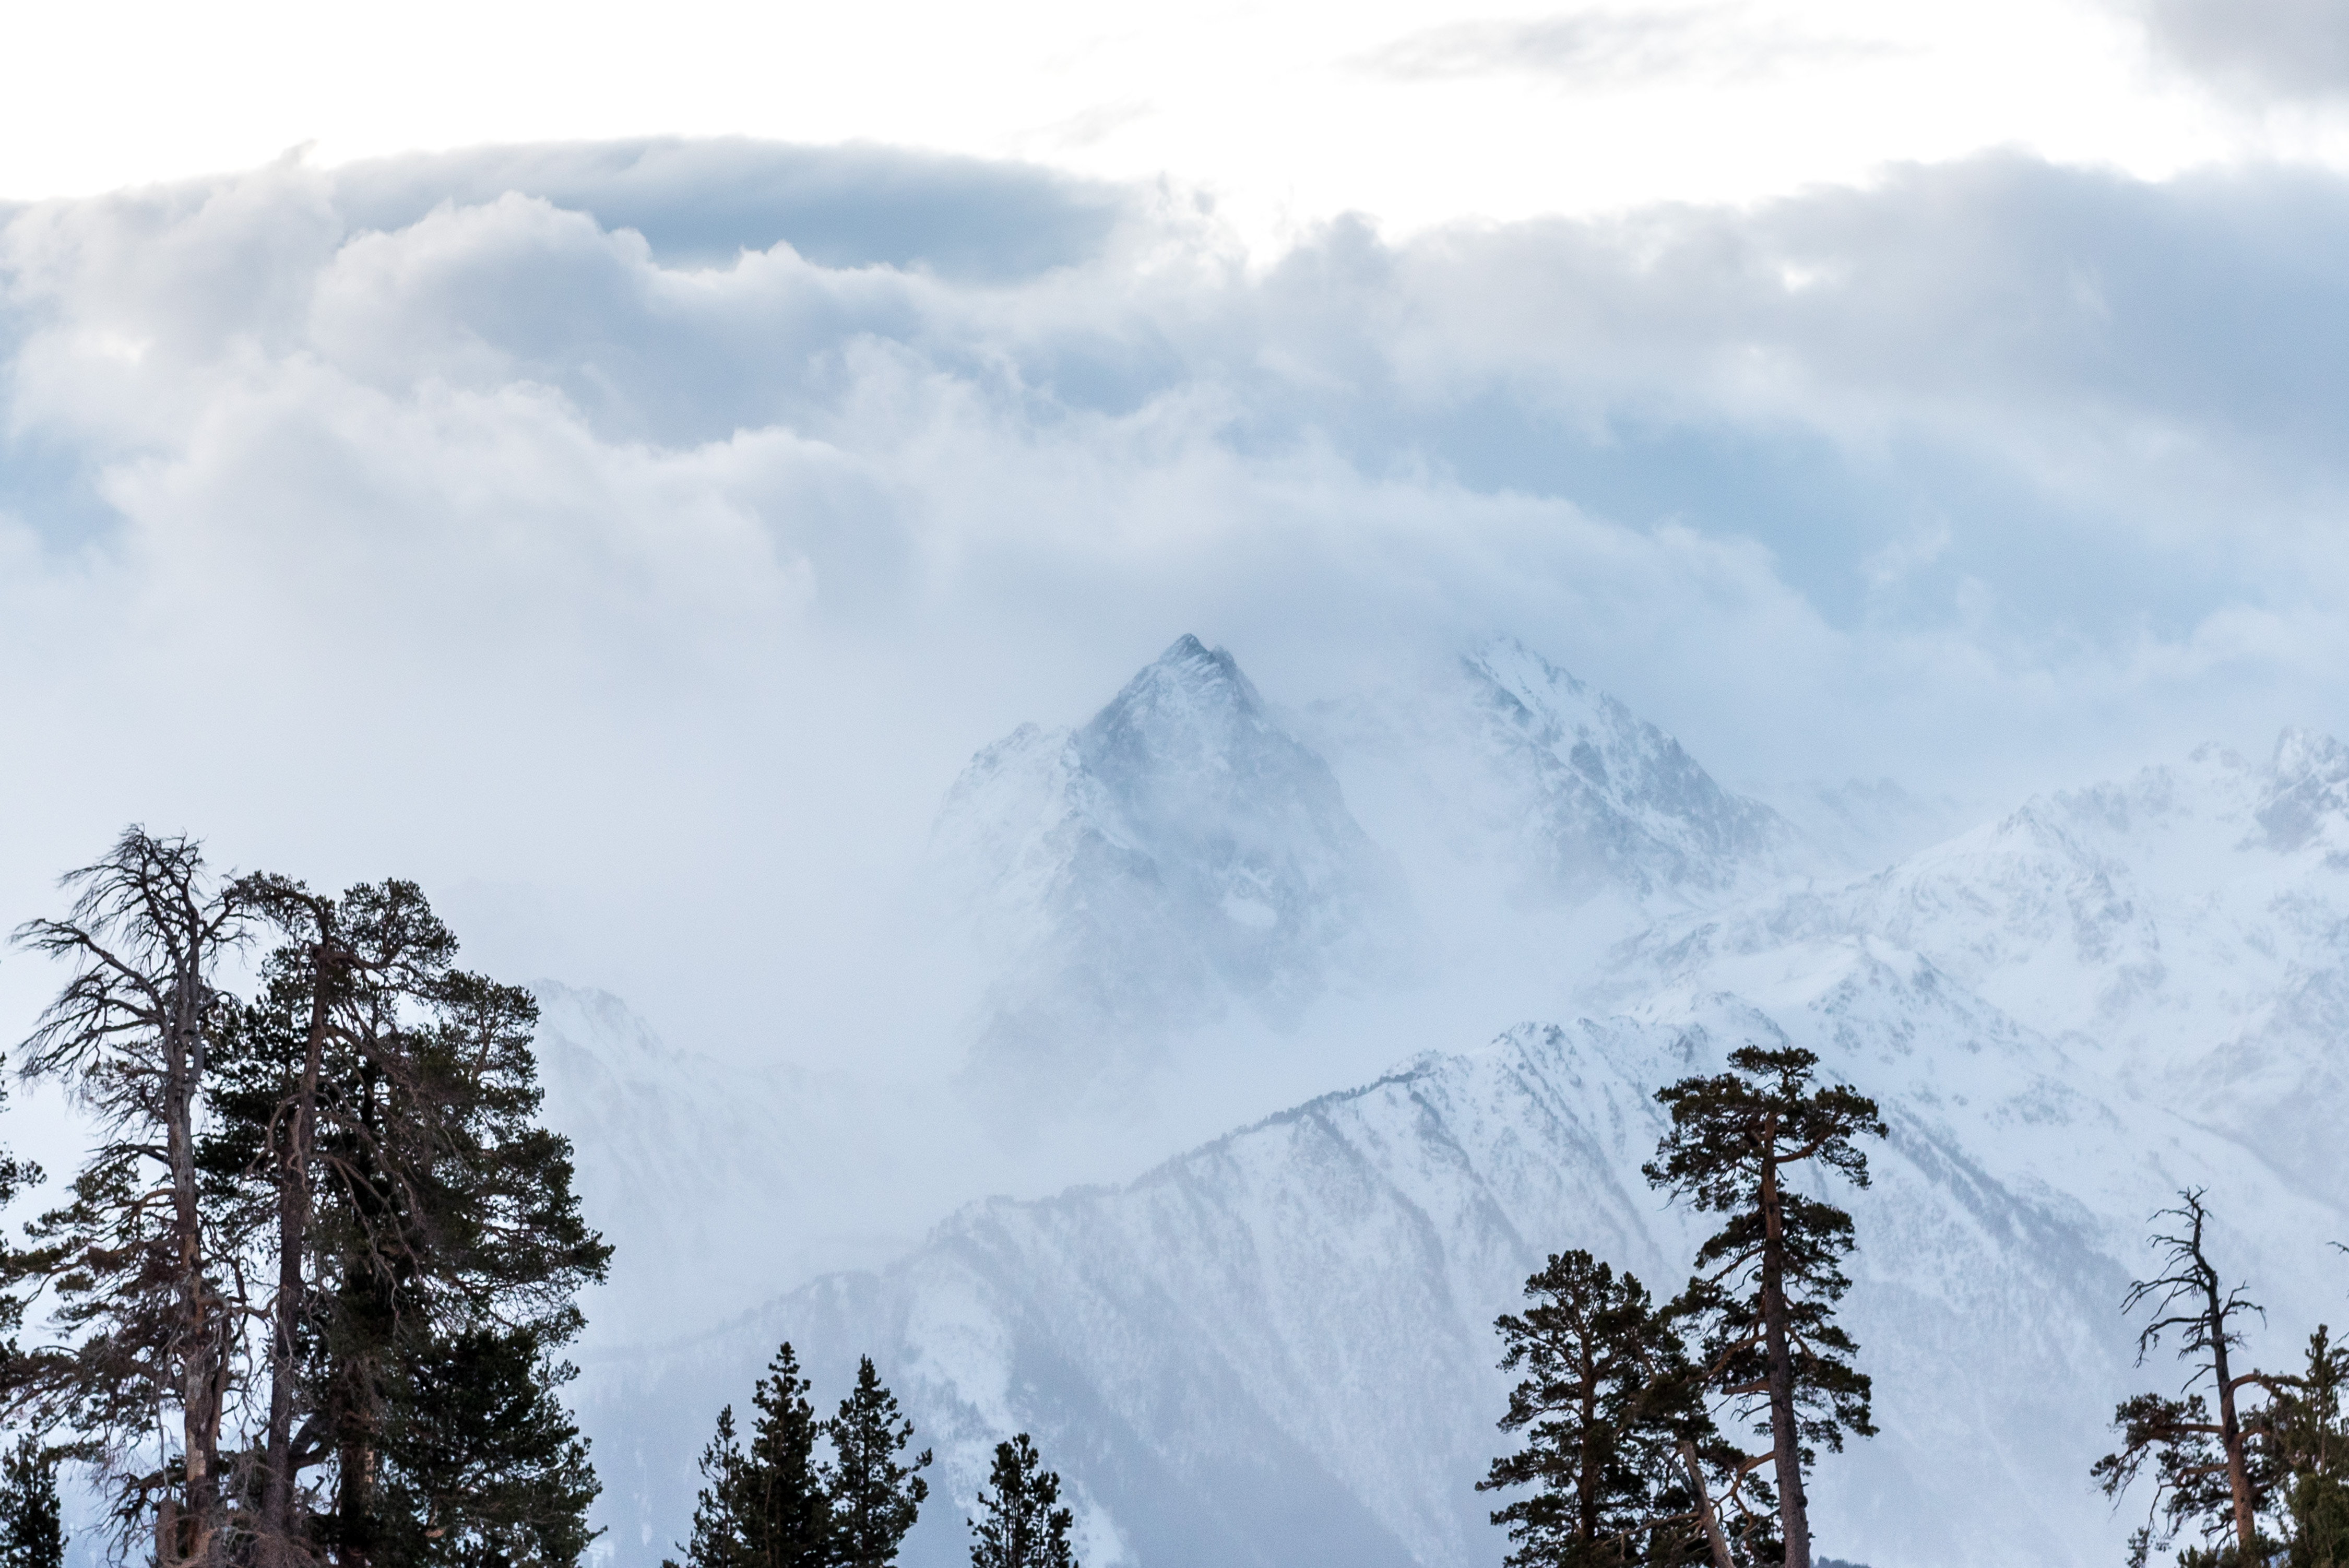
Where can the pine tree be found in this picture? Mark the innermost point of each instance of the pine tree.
(377, 1112)
(764, 1507)
(32, 1528)
(786, 1523)
(873, 1498)
(482, 1465)
(2210, 1474)
(1764, 1297)
(2308, 1431)
(718, 1535)
(1616, 1432)
(1021, 1525)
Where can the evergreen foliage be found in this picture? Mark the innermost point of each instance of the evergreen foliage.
(874, 1497)
(1614, 1423)
(1763, 1300)
(482, 1467)
(32, 1526)
(352, 1297)
(1021, 1524)
(2310, 1435)
(765, 1507)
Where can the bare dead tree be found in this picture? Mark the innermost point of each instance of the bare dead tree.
(2205, 1470)
(150, 1298)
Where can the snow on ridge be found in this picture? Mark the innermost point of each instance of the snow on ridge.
(1275, 1347)
(1292, 1321)
(1589, 746)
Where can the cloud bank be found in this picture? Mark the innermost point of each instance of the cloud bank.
(633, 541)
(2264, 50)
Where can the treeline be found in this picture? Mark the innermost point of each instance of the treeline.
(305, 1301)
(778, 1504)
(1630, 1407)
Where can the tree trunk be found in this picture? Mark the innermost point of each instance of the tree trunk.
(1713, 1538)
(1793, 1514)
(1586, 1482)
(2231, 1431)
(199, 1390)
(292, 1243)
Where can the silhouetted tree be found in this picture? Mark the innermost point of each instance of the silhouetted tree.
(31, 1527)
(1021, 1525)
(1763, 1301)
(2208, 1473)
(764, 1507)
(148, 1306)
(1616, 1428)
(717, 1540)
(873, 1497)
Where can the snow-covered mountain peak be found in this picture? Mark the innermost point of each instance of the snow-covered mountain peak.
(2307, 799)
(1181, 851)
(1190, 707)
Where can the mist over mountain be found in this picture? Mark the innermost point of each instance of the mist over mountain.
(1275, 1347)
(1135, 879)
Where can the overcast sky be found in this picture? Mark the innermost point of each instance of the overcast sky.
(630, 527)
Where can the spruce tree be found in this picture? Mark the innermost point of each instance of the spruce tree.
(717, 1539)
(1763, 1300)
(2310, 1436)
(2211, 1474)
(873, 1497)
(764, 1506)
(31, 1527)
(1617, 1436)
(1021, 1525)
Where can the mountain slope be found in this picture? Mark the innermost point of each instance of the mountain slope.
(1505, 783)
(2187, 928)
(1301, 1311)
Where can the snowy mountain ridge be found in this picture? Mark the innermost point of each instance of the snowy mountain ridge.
(1276, 1347)
(2187, 927)
(1292, 1323)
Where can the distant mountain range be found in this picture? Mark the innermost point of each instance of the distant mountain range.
(1276, 1347)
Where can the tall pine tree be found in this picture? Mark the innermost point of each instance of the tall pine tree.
(874, 1497)
(305, 1212)
(1764, 1297)
(1617, 1436)
(1021, 1524)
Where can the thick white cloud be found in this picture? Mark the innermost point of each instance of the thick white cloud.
(644, 591)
